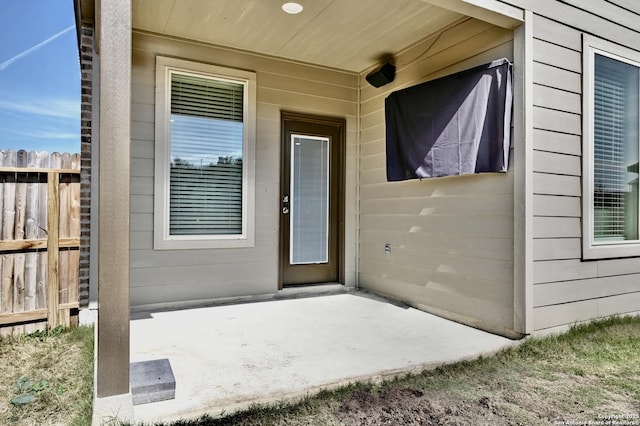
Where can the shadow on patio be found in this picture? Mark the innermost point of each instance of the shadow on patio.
(227, 357)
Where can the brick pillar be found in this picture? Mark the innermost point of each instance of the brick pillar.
(86, 69)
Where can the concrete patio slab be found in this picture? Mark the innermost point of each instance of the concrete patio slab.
(227, 357)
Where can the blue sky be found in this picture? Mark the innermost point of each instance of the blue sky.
(39, 76)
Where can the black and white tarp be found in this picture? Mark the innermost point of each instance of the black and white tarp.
(454, 125)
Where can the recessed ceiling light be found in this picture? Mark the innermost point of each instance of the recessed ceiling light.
(292, 8)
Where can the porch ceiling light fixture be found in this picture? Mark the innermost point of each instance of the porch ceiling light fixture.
(292, 8)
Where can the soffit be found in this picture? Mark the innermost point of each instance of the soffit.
(345, 34)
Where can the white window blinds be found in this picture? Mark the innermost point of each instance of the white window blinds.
(206, 131)
(309, 200)
(615, 170)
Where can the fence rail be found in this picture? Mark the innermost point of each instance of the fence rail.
(39, 239)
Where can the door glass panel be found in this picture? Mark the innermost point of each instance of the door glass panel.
(309, 216)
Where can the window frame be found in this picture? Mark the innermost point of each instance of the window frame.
(591, 249)
(163, 240)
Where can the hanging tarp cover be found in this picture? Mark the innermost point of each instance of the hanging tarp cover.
(458, 124)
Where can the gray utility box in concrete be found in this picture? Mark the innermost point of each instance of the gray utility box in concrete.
(152, 381)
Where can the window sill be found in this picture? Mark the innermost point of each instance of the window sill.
(199, 244)
(611, 251)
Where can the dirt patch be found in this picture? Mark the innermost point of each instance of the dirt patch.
(533, 401)
(414, 407)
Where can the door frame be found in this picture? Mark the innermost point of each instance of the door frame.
(286, 119)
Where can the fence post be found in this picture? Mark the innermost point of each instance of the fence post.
(53, 225)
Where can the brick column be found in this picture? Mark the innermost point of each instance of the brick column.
(86, 79)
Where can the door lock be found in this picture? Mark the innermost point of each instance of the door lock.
(285, 210)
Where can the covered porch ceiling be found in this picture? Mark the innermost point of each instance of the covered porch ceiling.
(350, 35)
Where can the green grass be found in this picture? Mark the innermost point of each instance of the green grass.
(55, 367)
(590, 371)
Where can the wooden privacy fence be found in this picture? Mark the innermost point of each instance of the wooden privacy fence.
(39, 239)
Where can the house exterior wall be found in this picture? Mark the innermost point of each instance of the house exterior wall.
(566, 288)
(451, 238)
(181, 276)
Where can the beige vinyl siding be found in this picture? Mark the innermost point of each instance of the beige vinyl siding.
(183, 276)
(451, 238)
(567, 289)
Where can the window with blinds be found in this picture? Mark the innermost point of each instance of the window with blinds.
(204, 185)
(205, 195)
(615, 150)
